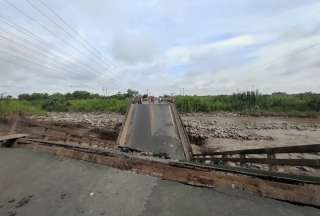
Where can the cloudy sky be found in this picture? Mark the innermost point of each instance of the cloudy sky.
(201, 46)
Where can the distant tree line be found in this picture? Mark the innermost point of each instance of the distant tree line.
(76, 95)
(249, 102)
(252, 102)
(77, 101)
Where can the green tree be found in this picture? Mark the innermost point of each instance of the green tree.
(132, 93)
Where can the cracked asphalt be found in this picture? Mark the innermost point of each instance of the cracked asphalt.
(153, 129)
(40, 184)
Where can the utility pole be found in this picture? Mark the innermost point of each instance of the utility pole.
(182, 91)
(148, 92)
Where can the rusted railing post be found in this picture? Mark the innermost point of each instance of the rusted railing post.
(242, 156)
(44, 136)
(271, 155)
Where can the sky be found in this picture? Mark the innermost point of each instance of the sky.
(203, 47)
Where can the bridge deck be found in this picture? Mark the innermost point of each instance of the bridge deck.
(153, 128)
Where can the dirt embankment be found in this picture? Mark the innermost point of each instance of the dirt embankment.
(97, 129)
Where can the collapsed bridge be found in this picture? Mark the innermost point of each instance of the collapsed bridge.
(155, 128)
(153, 141)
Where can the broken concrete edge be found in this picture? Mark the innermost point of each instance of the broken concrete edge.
(131, 152)
(13, 136)
(9, 139)
(182, 133)
(306, 194)
(121, 140)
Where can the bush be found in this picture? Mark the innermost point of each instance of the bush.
(18, 107)
(58, 105)
(252, 102)
(93, 105)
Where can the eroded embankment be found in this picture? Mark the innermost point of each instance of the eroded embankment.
(97, 129)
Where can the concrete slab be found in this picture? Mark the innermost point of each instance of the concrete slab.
(12, 136)
(153, 129)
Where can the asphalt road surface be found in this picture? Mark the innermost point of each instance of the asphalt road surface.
(153, 129)
(40, 184)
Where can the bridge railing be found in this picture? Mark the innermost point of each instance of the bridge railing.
(270, 156)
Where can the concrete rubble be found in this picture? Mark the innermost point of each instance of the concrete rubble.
(99, 120)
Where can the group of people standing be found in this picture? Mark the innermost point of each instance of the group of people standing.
(147, 99)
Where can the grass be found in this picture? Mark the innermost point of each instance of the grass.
(89, 105)
(251, 103)
(77, 101)
(14, 107)
(10, 107)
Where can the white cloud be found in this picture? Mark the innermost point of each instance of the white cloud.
(187, 53)
(288, 65)
(132, 49)
(205, 46)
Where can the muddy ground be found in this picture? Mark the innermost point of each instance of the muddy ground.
(216, 131)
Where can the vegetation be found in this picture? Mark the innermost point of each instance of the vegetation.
(306, 104)
(11, 107)
(253, 103)
(78, 101)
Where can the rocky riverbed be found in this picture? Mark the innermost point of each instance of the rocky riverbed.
(228, 131)
(97, 120)
(223, 131)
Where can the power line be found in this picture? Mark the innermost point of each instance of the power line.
(22, 29)
(96, 52)
(28, 16)
(70, 27)
(22, 55)
(31, 66)
(63, 29)
(28, 60)
(31, 35)
(42, 50)
(38, 50)
(43, 26)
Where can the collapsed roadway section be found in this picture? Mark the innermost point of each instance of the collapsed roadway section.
(155, 128)
(153, 142)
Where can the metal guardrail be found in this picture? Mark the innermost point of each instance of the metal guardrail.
(281, 177)
(271, 159)
(297, 189)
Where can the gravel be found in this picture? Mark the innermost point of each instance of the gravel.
(205, 129)
(97, 120)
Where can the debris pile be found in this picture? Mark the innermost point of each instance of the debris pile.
(202, 130)
(97, 120)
